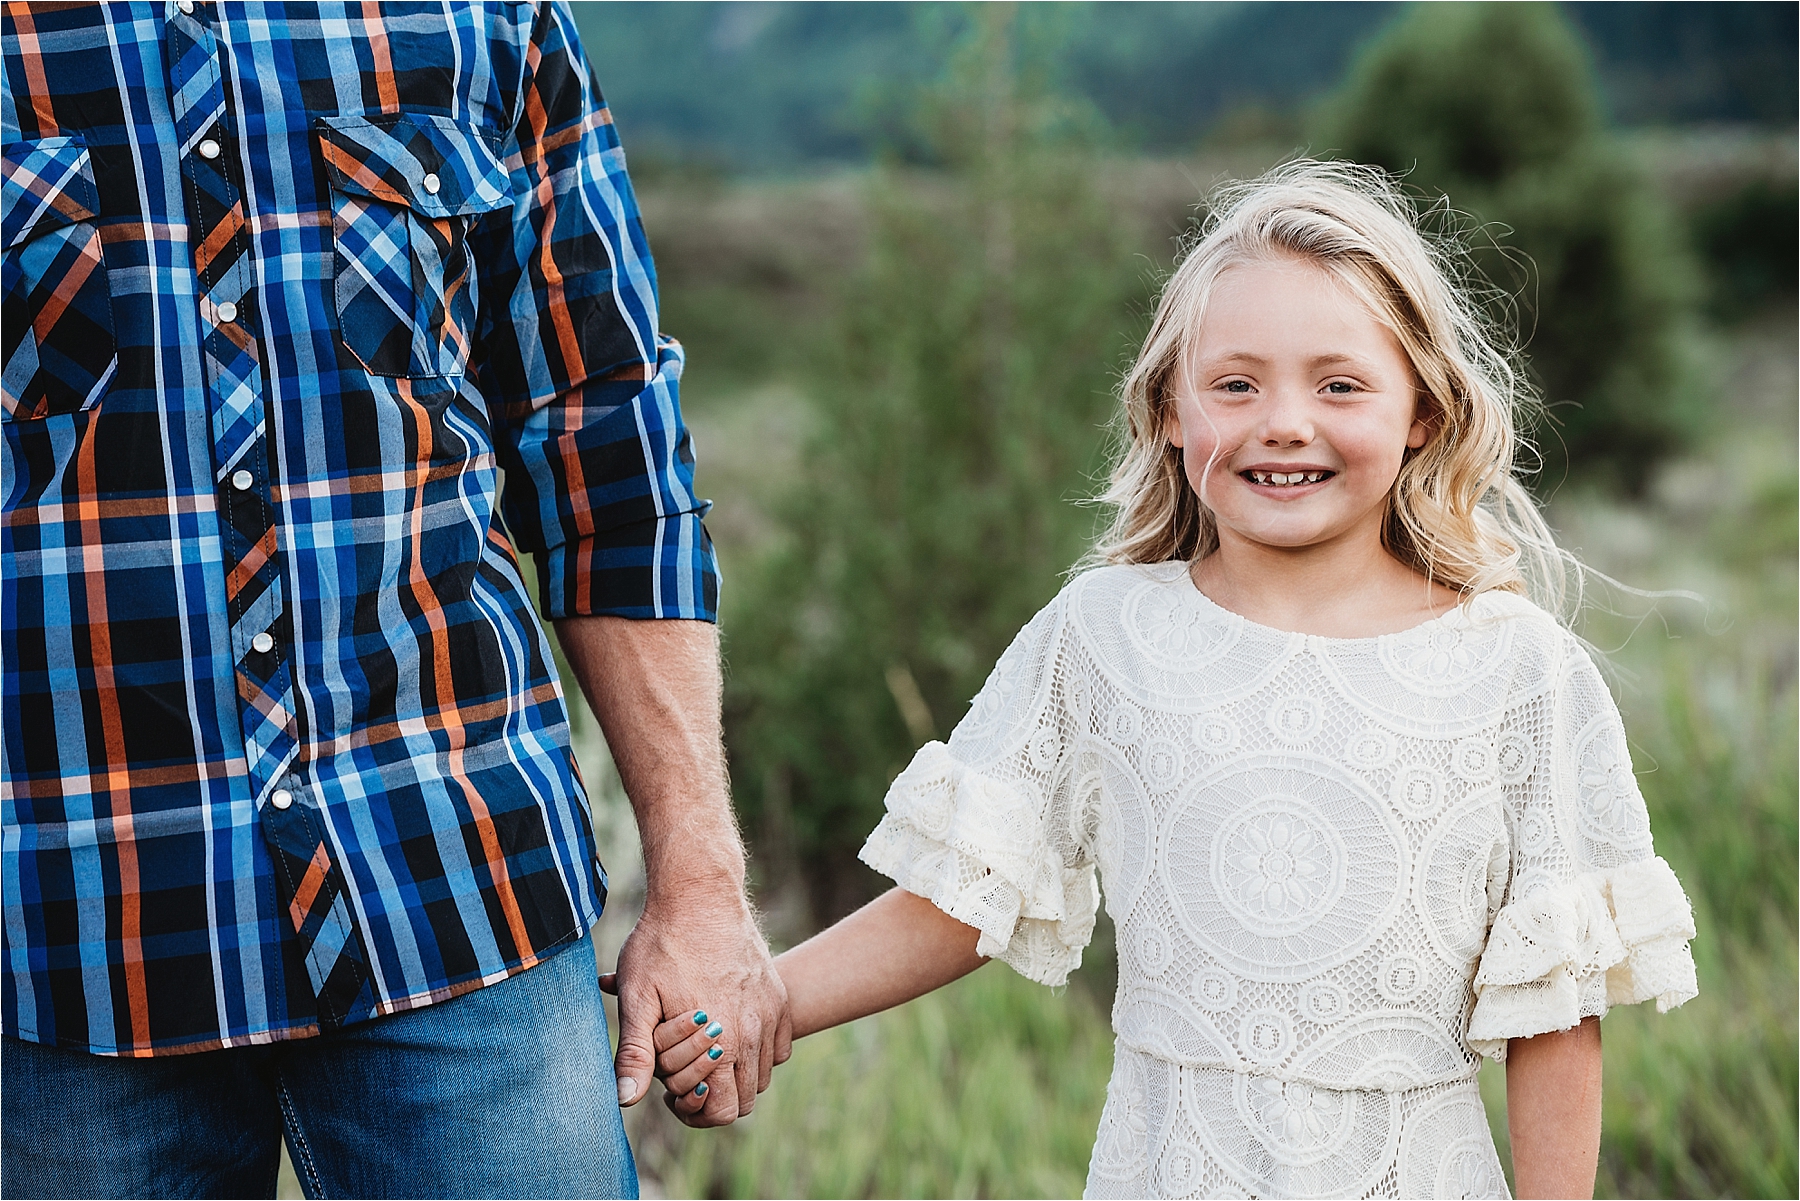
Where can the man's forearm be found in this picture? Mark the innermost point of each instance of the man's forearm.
(654, 685)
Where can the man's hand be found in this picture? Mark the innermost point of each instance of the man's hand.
(655, 687)
(696, 954)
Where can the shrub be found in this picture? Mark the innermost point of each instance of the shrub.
(1748, 240)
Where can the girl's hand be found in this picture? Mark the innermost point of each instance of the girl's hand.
(687, 1052)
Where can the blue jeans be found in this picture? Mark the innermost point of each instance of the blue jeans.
(506, 1091)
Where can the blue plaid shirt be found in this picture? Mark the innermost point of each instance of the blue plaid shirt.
(288, 292)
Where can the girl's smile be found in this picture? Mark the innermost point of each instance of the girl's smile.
(1295, 410)
(1290, 479)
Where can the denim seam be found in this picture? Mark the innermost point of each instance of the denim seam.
(303, 1153)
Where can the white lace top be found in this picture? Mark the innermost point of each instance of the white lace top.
(1340, 870)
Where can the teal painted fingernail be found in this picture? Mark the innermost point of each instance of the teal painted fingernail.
(700, 1089)
(714, 1052)
(714, 1030)
(699, 1017)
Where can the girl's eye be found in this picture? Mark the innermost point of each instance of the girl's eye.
(1238, 385)
(1338, 387)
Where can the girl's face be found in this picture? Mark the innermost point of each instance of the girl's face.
(1294, 409)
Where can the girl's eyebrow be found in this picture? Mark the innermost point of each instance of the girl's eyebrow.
(1226, 358)
(1235, 356)
(1336, 360)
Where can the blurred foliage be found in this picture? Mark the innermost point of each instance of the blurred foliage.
(769, 87)
(1663, 62)
(1496, 106)
(1749, 243)
(957, 415)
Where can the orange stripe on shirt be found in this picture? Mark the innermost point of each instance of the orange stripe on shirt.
(31, 58)
(250, 564)
(310, 884)
(451, 715)
(118, 776)
(376, 31)
(358, 171)
(66, 290)
(556, 303)
(568, 345)
(218, 238)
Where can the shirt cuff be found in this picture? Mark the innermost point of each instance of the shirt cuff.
(661, 568)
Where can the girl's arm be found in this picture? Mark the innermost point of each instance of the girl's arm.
(1552, 1110)
(897, 947)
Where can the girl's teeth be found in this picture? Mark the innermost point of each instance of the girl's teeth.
(1287, 478)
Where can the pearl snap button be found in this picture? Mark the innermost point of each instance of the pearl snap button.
(262, 644)
(209, 149)
(186, 6)
(241, 480)
(281, 798)
(432, 182)
(228, 311)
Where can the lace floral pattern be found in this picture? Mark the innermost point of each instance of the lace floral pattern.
(1341, 870)
(1283, 863)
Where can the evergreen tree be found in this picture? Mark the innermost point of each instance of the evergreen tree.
(959, 422)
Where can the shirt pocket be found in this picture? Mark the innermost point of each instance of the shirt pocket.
(404, 190)
(60, 350)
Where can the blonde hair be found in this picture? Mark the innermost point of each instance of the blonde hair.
(1457, 514)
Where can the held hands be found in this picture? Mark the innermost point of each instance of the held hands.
(897, 947)
(684, 953)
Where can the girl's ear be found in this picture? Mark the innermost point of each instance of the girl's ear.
(1171, 414)
(1424, 424)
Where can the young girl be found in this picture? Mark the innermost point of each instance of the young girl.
(1362, 811)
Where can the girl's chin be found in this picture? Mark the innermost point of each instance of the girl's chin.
(1289, 536)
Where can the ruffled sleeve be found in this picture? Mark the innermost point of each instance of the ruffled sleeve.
(980, 827)
(1593, 918)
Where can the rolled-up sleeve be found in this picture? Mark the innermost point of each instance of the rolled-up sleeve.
(582, 388)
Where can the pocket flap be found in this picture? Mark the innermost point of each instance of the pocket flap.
(433, 165)
(48, 183)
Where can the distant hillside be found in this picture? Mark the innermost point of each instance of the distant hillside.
(753, 86)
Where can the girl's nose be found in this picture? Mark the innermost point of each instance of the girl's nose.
(1286, 421)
